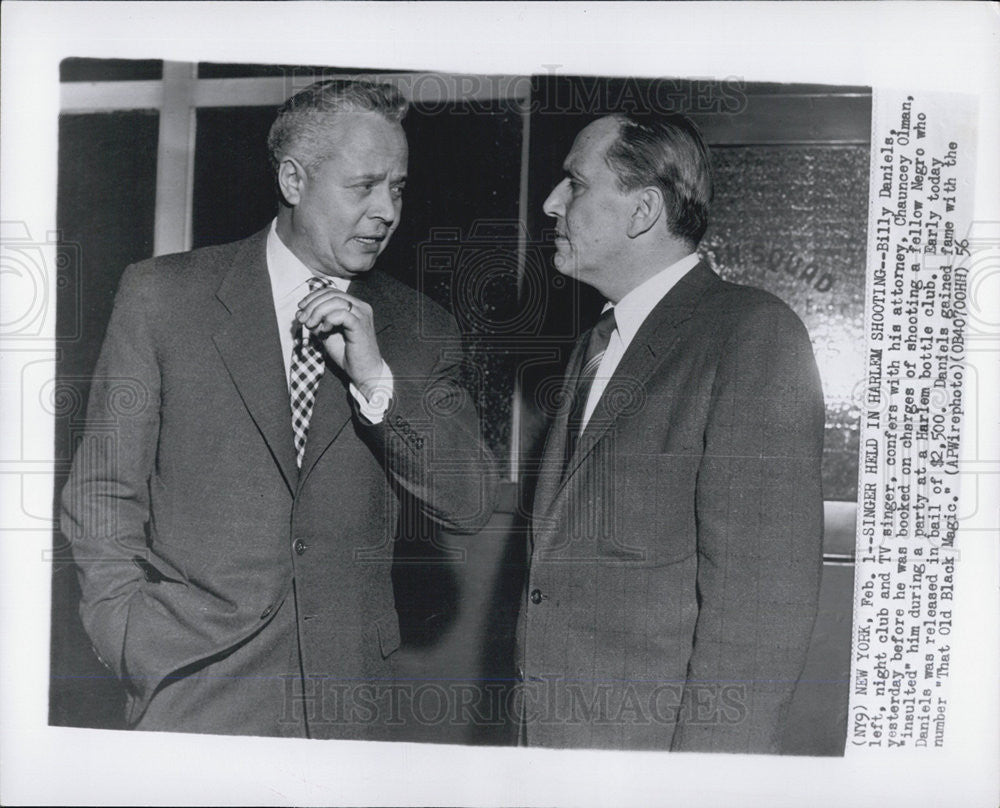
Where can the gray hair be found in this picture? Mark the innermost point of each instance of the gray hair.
(302, 128)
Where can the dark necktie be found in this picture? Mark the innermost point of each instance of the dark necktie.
(597, 344)
(306, 371)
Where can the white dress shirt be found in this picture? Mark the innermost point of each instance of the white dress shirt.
(630, 313)
(289, 284)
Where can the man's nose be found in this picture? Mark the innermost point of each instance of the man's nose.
(382, 205)
(553, 205)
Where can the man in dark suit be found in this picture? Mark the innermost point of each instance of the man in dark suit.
(233, 521)
(677, 522)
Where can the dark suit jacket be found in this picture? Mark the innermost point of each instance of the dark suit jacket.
(216, 576)
(675, 569)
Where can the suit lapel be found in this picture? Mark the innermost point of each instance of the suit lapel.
(554, 452)
(251, 350)
(627, 387)
(333, 407)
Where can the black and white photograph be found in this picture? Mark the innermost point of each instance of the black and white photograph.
(464, 428)
(661, 591)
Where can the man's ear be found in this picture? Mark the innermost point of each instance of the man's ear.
(291, 179)
(647, 211)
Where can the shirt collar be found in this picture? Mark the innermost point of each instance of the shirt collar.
(288, 273)
(634, 308)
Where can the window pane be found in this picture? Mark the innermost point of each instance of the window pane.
(80, 69)
(106, 199)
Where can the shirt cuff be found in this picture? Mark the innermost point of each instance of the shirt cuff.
(373, 409)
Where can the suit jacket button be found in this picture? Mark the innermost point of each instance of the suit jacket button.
(266, 613)
(536, 596)
(300, 546)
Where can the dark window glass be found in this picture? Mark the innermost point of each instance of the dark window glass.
(233, 195)
(105, 204)
(458, 239)
(81, 69)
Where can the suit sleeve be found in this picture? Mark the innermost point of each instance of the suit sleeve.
(431, 444)
(759, 509)
(105, 503)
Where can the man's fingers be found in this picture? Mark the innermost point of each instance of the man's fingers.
(313, 300)
(330, 308)
(327, 318)
(309, 307)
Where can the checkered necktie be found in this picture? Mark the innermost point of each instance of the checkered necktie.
(306, 371)
(597, 344)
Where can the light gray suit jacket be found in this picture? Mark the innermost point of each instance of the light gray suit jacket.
(218, 579)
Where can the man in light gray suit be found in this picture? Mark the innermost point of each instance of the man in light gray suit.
(233, 529)
(677, 523)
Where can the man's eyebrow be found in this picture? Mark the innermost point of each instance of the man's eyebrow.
(571, 168)
(373, 177)
(370, 177)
